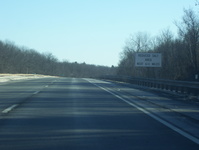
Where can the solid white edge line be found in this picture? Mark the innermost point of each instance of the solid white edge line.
(183, 133)
(7, 110)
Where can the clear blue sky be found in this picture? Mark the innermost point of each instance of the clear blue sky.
(91, 31)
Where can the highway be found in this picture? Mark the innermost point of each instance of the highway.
(80, 114)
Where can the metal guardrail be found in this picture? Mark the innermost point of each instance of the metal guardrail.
(184, 87)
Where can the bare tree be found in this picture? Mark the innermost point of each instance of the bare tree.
(189, 32)
(139, 42)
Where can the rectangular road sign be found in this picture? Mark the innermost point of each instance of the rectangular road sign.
(148, 59)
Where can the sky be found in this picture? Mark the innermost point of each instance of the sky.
(90, 31)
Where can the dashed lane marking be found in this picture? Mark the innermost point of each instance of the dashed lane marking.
(36, 92)
(7, 110)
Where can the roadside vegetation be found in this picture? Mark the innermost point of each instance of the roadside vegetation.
(180, 54)
(20, 60)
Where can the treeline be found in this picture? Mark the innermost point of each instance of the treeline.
(14, 59)
(180, 54)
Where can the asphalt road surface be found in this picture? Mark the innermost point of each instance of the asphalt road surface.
(75, 114)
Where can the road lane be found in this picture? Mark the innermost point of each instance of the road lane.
(16, 92)
(75, 114)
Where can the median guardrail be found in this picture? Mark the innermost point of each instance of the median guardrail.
(184, 87)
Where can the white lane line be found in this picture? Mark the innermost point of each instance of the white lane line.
(36, 92)
(7, 110)
(176, 129)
